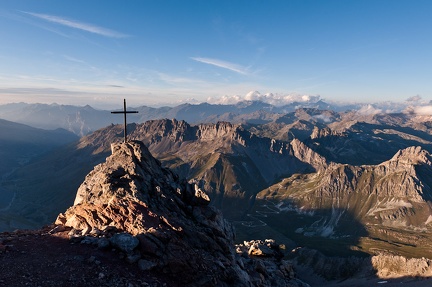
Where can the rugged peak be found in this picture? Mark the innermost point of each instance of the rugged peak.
(319, 133)
(173, 131)
(128, 172)
(156, 130)
(218, 130)
(306, 154)
(132, 203)
(413, 155)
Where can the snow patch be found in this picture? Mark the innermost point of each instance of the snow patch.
(392, 204)
(323, 118)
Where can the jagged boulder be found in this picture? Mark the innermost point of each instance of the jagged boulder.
(124, 241)
(266, 248)
(163, 223)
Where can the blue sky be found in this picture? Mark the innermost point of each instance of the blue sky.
(167, 52)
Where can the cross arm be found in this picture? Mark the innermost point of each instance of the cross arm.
(123, 112)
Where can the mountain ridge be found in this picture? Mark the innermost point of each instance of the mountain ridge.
(226, 160)
(83, 120)
(390, 200)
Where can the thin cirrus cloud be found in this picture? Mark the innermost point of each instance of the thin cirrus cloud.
(223, 64)
(79, 25)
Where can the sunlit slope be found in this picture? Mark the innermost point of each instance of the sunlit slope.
(355, 205)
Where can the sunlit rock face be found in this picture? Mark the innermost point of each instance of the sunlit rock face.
(164, 223)
(370, 206)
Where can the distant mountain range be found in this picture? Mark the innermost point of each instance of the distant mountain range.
(83, 120)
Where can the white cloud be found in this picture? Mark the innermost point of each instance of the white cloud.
(79, 25)
(323, 118)
(223, 64)
(270, 98)
(369, 110)
(225, 100)
(424, 110)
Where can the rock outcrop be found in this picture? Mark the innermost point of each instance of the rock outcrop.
(394, 266)
(164, 224)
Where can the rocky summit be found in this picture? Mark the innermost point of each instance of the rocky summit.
(165, 225)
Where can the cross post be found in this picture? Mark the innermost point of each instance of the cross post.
(124, 112)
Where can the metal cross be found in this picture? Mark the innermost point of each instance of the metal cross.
(125, 112)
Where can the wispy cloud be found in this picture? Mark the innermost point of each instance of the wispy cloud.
(223, 64)
(72, 59)
(79, 25)
(175, 80)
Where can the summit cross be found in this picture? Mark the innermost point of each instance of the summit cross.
(124, 112)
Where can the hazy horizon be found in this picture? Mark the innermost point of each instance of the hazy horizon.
(415, 105)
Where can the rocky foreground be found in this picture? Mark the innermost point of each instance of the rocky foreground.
(135, 223)
(37, 258)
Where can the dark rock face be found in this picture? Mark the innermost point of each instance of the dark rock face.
(331, 268)
(163, 223)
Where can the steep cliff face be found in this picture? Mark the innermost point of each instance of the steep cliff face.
(387, 200)
(164, 223)
(229, 162)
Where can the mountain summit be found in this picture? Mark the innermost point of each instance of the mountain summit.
(165, 224)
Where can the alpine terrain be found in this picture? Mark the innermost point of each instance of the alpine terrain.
(347, 193)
